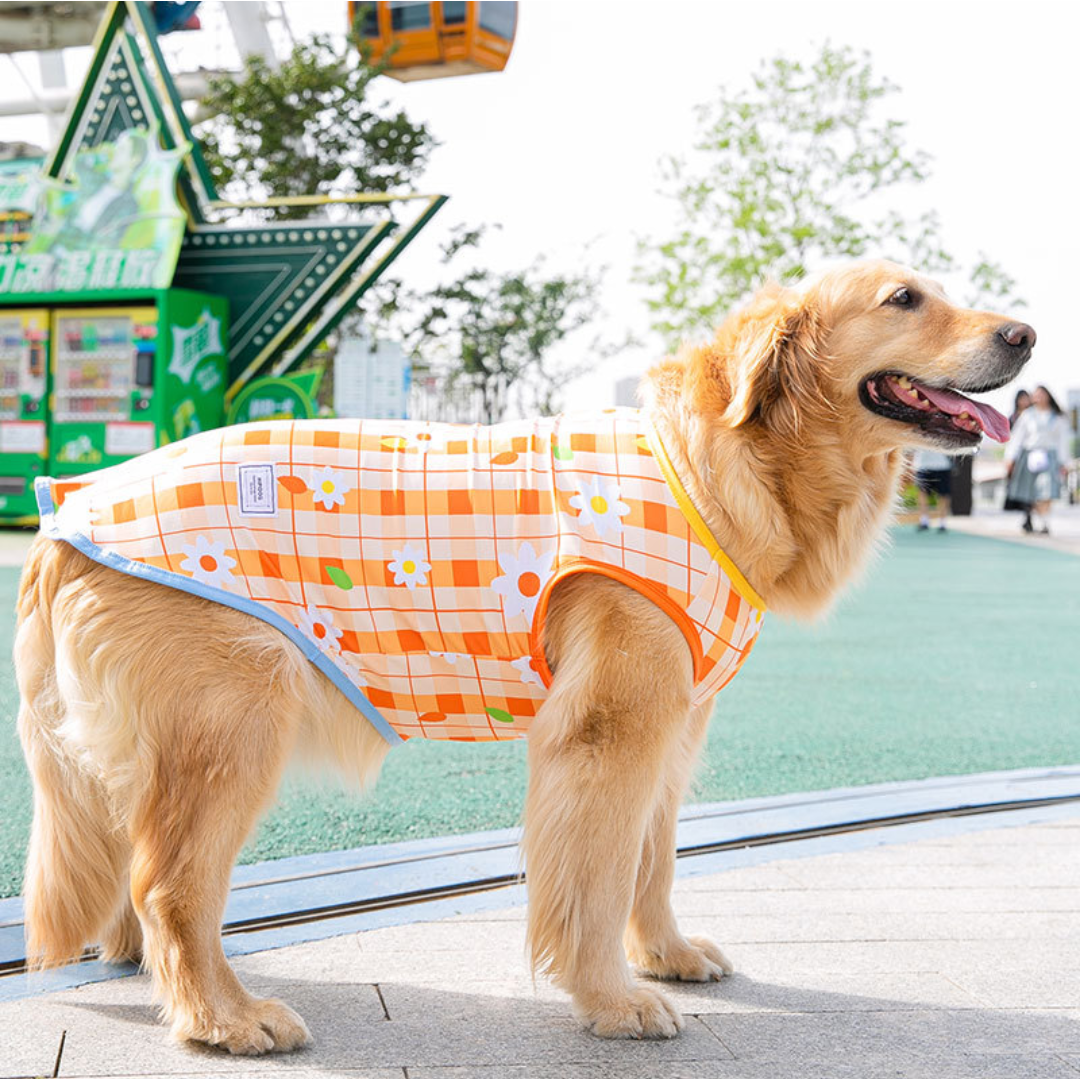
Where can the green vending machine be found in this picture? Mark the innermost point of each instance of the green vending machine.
(137, 306)
(24, 345)
(128, 378)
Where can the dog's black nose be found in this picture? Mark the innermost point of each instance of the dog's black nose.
(1018, 335)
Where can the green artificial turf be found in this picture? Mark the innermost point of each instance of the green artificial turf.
(958, 654)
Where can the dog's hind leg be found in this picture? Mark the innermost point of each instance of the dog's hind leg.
(653, 941)
(186, 835)
(221, 747)
(77, 861)
(597, 759)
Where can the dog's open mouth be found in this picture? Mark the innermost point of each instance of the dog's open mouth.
(938, 411)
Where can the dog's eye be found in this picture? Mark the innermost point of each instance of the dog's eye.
(903, 297)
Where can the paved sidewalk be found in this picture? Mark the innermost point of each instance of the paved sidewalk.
(955, 955)
(1064, 527)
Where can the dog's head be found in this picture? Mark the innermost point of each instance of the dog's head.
(874, 347)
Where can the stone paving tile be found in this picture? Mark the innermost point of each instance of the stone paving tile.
(133, 995)
(277, 1066)
(738, 994)
(336, 958)
(965, 1065)
(899, 1035)
(28, 1045)
(507, 1037)
(451, 968)
(885, 926)
(447, 936)
(416, 999)
(990, 1066)
(835, 979)
(113, 1029)
(721, 901)
(118, 1039)
(813, 993)
(767, 960)
(1004, 989)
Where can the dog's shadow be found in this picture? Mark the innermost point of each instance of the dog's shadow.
(403, 1021)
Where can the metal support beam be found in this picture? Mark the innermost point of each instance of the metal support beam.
(248, 23)
(29, 27)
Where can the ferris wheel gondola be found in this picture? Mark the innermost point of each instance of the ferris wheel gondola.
(437, 40)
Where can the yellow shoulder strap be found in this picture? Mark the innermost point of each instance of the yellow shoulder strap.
(696, 521)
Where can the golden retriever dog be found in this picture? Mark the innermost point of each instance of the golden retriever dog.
(153, 756)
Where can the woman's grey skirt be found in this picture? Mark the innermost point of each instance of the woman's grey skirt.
(1029, 487)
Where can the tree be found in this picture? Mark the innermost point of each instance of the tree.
(309, 127)
(789, 172)
(490, 336)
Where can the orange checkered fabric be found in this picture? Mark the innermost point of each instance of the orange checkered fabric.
(413, 562)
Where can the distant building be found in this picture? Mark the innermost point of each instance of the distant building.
(371, 380)
(21, 151)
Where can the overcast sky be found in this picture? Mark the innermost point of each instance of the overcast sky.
(562, 148)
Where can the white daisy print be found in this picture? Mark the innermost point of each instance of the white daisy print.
(207, 562)
(408, 567)
(529, 674)
(330, 487)
(319, 626)
(598, 505)
(524, 577)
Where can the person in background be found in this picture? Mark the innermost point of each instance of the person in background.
(1021, 402)
(1036, 458)
(933, 473)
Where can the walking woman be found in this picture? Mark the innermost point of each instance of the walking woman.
(1022, 402)
(1036, 458)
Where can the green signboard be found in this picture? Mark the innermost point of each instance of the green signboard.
(20, 184)
(117, 226)
(290, 397)
(126, 206)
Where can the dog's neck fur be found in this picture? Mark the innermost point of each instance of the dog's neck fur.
(798, 553)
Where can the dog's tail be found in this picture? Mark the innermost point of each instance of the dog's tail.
(77, 863)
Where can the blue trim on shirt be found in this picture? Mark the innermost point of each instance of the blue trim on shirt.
(136, 569)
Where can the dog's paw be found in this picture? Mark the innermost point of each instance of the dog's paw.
(645, 1013)
(695, 959)
(264, 1026)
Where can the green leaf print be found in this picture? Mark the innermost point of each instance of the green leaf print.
(339, 577)
(501, 715)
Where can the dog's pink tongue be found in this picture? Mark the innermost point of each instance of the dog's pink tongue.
(949, 401)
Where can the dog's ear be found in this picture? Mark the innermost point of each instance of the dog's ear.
(770, 352)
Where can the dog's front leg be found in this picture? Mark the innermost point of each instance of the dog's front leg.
(598, 755)
(653, 941)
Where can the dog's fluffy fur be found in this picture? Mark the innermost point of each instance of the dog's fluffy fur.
(157, 725)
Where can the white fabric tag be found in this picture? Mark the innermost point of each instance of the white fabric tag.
(256, 490)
